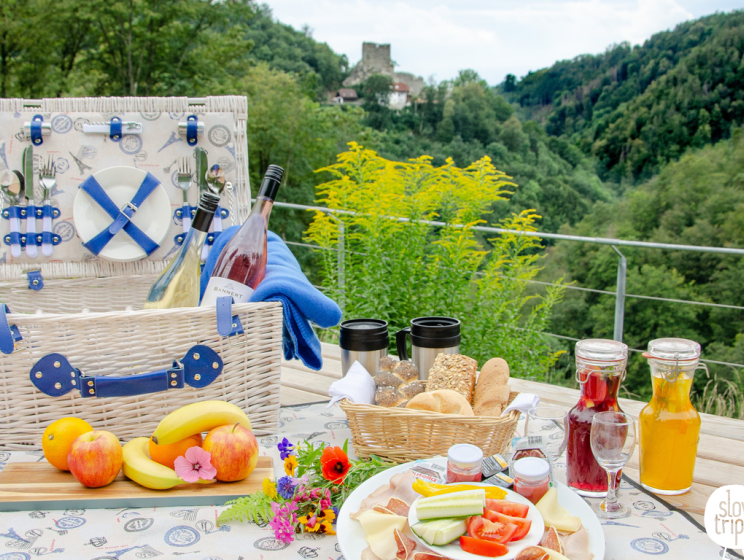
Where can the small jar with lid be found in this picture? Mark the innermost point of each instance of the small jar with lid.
(464, 463)
(531, 478)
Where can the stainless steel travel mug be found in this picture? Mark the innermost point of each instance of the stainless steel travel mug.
(365, 341)
(430, 336)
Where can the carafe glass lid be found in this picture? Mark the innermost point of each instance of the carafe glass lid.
(673, 349)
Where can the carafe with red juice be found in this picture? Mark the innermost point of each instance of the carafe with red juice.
(600, 368)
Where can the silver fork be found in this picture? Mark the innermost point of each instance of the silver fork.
(47, 178)
(184, 182)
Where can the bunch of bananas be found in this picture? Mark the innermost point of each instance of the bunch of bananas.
(188, 420)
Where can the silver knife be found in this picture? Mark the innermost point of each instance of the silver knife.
(28, 193)
(202, 165)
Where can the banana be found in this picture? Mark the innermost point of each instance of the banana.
(146, 472)
(196, 418)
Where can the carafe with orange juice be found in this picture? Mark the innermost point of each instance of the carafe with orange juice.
(669, 424)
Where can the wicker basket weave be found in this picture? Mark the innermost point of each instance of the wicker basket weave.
(120, 343)
(402, 435)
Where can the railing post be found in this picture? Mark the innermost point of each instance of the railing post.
(341, 264)
(622, 271)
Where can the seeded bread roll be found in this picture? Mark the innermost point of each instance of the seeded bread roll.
(491, 391)
(455, 372)
(445, 401)
(387, 363)
(388, 396)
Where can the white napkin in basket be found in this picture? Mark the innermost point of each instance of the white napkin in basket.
(522, 402)
(357, 386)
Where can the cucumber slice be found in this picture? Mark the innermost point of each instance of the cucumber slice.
(440, 531)
(478, 493)
(461, 507)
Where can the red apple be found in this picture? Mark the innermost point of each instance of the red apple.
(234, 451)
(95, 458)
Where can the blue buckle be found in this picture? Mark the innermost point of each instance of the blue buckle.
(115, 129)
(125, 215)
(191, 129)
(36, 130)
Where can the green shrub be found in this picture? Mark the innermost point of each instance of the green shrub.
(396, 267)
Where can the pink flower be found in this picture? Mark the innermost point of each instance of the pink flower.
(194, 465)
(283, 521)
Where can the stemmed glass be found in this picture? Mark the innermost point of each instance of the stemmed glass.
(547, 426)
(613, 441)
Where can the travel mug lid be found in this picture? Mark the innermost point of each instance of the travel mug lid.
(435, 332)
(364, 335)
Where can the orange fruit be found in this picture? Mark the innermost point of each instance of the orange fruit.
(167, 454)
(58, 438)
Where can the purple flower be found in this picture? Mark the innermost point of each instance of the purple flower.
(285, 448)
(285, 488)
(283, 521)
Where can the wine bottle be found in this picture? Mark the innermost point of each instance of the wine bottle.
(178, 284)
(241, 265)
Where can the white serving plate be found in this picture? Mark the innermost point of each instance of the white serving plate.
(153, 217)
(352, 541)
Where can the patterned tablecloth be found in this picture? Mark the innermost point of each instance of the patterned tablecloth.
(128, 534)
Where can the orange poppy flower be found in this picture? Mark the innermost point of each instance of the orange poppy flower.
(335, 464)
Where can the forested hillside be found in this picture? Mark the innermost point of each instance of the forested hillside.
(638, 107)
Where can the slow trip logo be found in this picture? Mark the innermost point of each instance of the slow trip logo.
(724, 516)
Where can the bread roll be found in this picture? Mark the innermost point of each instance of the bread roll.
(445, 401)
(396, 382)
(455, 372)
(491, 391)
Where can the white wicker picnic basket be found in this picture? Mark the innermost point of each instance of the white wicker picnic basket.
(89, 309)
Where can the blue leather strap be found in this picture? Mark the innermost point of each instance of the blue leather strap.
(103, 386)
(12, 212)
(191, 129)
(224, 212)
(227, 323)
(47, 212)
(36, 138)
(35, 280)
(48, 237)
(15, 237)
(9, 334)
(122, 218)
(53, 375)
(115, 129)
(30, 210)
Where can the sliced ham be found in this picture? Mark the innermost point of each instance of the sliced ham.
(577, 545)
(406, 545)
(533, 553)
(428, 555)
(381, 496)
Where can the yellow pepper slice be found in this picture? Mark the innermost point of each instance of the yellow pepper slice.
(427, 489)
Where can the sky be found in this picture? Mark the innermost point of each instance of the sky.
(437, 38)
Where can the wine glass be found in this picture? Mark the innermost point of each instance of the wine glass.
(613, 441)
(547, 427)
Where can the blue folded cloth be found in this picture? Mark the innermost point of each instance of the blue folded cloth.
(285, 282)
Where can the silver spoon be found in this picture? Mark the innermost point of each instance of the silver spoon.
(216, 179)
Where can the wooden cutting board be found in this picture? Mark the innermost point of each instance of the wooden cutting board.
(40, 486)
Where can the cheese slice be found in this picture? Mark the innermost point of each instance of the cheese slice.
(380, 531)
(553, 554)
(554, 515)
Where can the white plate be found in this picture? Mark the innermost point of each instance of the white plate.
(153, 217)
(352, 541)
(453, 550)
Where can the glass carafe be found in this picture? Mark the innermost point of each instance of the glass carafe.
(669, 424)
(600, 368)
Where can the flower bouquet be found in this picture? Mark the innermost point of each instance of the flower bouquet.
(318, 480)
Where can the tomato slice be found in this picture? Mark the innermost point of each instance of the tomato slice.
(482, 548)
(481, 528)
(512, 509)
(523, 525)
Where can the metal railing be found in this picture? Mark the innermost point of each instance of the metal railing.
(622, 268)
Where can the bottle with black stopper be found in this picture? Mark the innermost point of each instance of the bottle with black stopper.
(178, 284)
(241, 265)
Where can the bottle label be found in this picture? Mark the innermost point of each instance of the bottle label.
(219, 287)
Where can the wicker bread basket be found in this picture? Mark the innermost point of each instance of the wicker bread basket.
(402, 435)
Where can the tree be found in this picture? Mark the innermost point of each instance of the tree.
(510, 83)
(376, 94)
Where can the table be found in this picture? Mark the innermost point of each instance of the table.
(720, 459)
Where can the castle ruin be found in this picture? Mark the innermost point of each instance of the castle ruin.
(376, 60)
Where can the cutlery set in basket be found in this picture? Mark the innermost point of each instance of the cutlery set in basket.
(113, 183)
